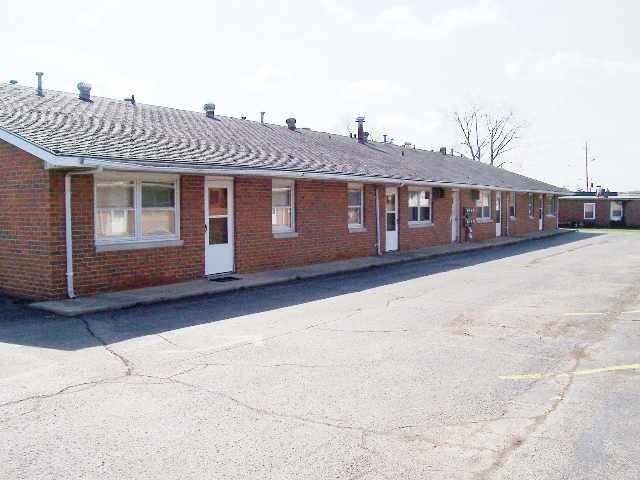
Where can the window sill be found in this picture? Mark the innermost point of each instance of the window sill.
(420, 224)
(114, 247)
(285, 234)
(484, 220)
(513, 219)
(357, 229)
(550, 216)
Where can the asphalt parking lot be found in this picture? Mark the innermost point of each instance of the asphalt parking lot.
(519, 362)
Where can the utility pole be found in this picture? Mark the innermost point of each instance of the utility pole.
(586, 165)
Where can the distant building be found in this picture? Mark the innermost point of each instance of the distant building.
(602, 209)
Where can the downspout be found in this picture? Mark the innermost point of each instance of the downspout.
(508, 213)
(68, 232)
(378, 246)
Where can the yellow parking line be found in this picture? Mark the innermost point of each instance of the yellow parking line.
(538, 376)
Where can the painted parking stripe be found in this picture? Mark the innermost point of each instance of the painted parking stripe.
(583, 314)
(538, 376)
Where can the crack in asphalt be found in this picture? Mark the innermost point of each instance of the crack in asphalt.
(624, 299)
(64, 390)
(125, 362)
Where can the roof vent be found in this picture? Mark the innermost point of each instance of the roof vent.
(39, 88)
(384, 138)
(262, 117)
(84, 90)
(361, 137)
(131, 100)
(210, 110)
(443, 150)
(291, 123)
(13, 82)
(243, 117)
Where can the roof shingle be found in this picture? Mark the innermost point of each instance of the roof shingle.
(119, 131)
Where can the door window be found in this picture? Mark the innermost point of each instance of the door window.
(391, 211)
(218, 216)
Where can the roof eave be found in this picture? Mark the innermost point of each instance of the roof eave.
(53, 160)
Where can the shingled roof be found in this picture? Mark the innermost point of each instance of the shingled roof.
(147, 135)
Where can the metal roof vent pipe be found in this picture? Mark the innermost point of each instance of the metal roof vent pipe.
(443, 150)
(39, 91)
(361, 136)
(84, 90)
(384, 138)
(210, 110)
(291, 123)
(262, 117)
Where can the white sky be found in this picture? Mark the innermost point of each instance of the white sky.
(570, 69)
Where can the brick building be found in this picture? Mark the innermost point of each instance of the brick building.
(604, 210)
(100, 195)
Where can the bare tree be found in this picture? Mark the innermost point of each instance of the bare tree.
(488, 135)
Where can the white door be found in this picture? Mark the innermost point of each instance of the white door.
(218, 214)
(498, 214)
(391, 202)
(541, 214)
(455, 216)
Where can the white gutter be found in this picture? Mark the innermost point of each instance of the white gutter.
(68, 230)
(231, 171)
(65, 161)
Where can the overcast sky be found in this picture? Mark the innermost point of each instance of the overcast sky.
(570, 69)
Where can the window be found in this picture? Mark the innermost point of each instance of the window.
(589, 211)
(158, 209)
(135, 209)
(512, 204)
(282, 206)
(483, 206)
(419, 205)
(550, 202)
(354, 205)
(530, 206)
(616, 210)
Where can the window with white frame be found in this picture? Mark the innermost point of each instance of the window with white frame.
(616, 210)
(483, 205)
(282, 206)
(512, 204)
(589, 211)
(530, 205)
(134, 208)
(550, 201)
(355, 203)
(419, 205)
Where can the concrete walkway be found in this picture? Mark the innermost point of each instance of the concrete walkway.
(176, 291)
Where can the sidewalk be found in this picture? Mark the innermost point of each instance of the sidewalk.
(176, 291)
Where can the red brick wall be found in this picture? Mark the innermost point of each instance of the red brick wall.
(321, 224)
(483, 230)
(572, 211)
(523, 224)
(438, 233)
(96, 272)
(29, 239)
(632, 213)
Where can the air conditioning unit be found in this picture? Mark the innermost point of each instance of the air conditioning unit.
(475, 194)
(437, 192)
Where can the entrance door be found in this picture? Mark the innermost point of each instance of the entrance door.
(391, 202)
(541, 214)
(218, 214)
(498, 214)
(455, 216)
